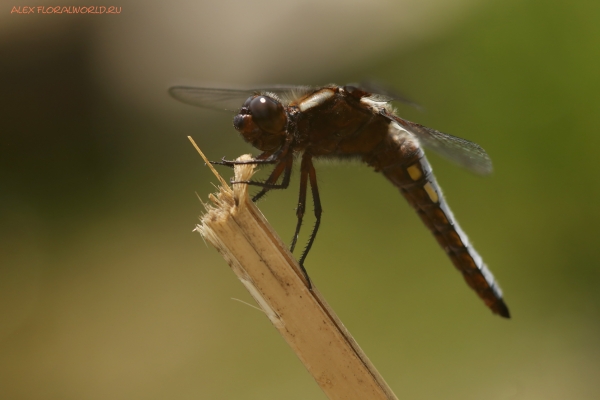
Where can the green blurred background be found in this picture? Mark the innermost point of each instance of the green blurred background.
(105, 292)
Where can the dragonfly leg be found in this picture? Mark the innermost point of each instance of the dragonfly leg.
(301, 201)
(312, 175)
(270, 183)
(263, 158)
(307, 172)
(255, 161)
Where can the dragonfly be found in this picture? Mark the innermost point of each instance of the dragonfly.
(352, 122)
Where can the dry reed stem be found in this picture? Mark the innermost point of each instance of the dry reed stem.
(262, 262)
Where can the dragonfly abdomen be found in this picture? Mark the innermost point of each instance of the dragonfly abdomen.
(417, 184)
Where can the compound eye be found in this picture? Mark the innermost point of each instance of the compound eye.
(268, 114)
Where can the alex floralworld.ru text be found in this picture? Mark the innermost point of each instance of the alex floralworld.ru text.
(66, 10)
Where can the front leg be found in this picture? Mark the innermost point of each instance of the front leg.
(284, 166)
(264, 158)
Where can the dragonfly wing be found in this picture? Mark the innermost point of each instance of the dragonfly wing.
(215, 99)
(461, 151)
(231, 99)
(386, 94)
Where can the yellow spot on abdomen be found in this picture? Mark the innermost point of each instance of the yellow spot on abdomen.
(415, 172)
(431, 192)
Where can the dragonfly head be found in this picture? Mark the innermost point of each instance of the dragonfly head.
(263, 119)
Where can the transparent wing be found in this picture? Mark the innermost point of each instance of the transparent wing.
(386, 93)
(215, 99)
(227, 99)
(463, 152)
